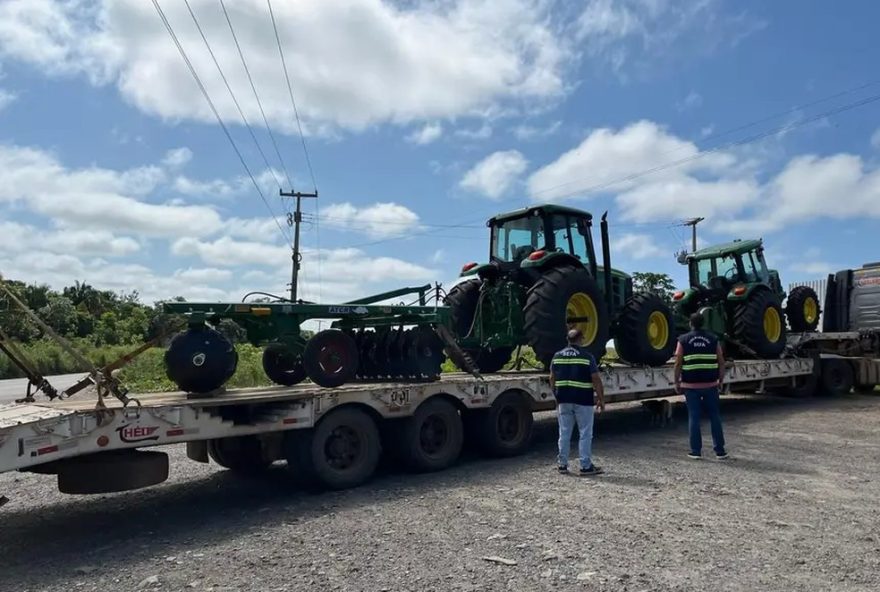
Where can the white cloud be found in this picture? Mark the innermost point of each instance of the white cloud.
(530, 132)
(815, 268)
(693, 100)
(687, 197)
(96, 198)
(227, 252)
(495, 174)
(484, 132)
(608, 159)
(6, 98)
(177, 157)
(204, 274)
(384, 57)
(425, 135)
(636, 246)
(379, 220)
(875, 139)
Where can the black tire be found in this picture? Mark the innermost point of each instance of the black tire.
(546, 312)
(864, 389)
(242, 454)
(330, 358)
(748, 324)
(837, 377)
(462, 301)
(282, 365)
(342, 451)
(645, 331)
(431, 439)
(200, 360)
(802, 309)
(505, 429)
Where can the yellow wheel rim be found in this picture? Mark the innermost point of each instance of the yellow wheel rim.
(772, 324)
(658, 330)
(581, 306)
(811, 310)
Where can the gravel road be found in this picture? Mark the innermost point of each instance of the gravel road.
(795, 509)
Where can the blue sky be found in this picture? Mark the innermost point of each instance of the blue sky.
(422, 119)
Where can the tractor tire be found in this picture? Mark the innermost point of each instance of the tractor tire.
(644, 333)
(330, 358)
(282, 366)
(759, 324)
(462, 300)
(802, 309)
(563, 292)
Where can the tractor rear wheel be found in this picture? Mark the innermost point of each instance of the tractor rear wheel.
(462, 300)
(802, 309)
(758, 324)
(565, 297)
(644, 332)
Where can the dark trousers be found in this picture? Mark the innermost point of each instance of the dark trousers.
(697, 401)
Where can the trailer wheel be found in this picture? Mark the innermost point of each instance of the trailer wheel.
(200, 360)
(864, 389)
(432, 438)
(282, 365)
(342, 451)
(837, 377)
(331, 358)
(243, 454)
(505, 429)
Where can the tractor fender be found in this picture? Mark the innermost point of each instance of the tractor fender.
(473, 271)
(549, 259)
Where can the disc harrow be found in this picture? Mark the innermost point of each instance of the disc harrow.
(397, 354)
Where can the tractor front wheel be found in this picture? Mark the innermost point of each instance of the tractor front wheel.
(644, 332)
(462, 301)
(802, 309)
(565, 297)
(758, 324)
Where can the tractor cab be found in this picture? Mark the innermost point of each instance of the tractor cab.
(731, 269)
(525, 241)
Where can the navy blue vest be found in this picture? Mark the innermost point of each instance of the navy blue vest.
(573, 370)
(700, 362)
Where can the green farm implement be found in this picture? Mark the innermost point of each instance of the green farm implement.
(365, 340)
(741, 299)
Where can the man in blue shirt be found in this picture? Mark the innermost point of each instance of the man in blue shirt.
(577, 385)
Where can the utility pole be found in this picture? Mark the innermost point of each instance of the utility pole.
(693, 224)
(297, 219)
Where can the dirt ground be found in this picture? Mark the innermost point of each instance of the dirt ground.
(796, 508)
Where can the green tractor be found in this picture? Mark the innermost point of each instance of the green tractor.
(542, 278)
(741, 299)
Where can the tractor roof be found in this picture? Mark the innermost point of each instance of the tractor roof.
(723, 250)
(546, 208)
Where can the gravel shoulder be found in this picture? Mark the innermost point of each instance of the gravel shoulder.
(794, 509)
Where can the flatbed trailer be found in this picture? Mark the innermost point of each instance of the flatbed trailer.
(330, 437)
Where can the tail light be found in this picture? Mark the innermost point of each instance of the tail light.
(537, 255)
(468, 266)
(678, 295)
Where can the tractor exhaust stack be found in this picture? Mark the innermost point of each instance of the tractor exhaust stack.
(606, 262)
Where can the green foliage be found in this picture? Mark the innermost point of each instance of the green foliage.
(658, 283)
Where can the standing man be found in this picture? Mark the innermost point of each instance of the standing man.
(577, 385)
(699, 371)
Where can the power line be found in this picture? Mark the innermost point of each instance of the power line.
(302, 136)
(231, 93)
(256, 95)
(201, 86)
(704, 153)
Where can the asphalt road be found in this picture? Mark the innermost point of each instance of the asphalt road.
(15, 388)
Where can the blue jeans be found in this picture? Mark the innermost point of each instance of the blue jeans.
(582, 415)
(697, 401)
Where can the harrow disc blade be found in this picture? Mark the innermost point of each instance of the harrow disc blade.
(428, 350)
(395, 354)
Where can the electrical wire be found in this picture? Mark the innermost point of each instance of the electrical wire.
(210, 102)
(231, 93)
(302, 136)
(256, 94)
